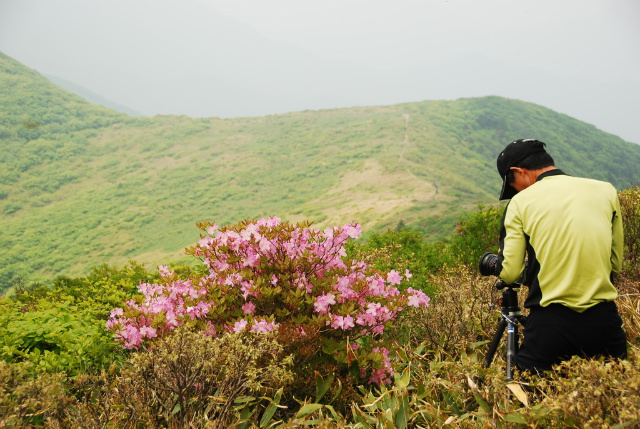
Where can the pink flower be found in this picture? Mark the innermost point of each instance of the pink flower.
(353, 230)
(148, 331)
(323, 302)
(366, 319)
(342, 322)
(264, 326)
(265, 245)
(249, 231)
(164, 271)
(247, 289)
(394, 278)
(116, 312)
(417, 298)
(273, 221)
(378, 329)
(198, 311)
(205, 242)
(211, 331)
(131, 337)
(239, 325)
(382, 375)
(249, 308)
(413, 301)
(171, 319)
(373, 308)
(251, 260)
(307, 264)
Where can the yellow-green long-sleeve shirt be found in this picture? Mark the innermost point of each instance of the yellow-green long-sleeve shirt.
(570, 231)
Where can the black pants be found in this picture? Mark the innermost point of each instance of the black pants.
(556, 333)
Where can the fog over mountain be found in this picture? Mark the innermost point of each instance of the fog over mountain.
(252, 58)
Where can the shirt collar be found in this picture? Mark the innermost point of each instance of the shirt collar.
(556, 172)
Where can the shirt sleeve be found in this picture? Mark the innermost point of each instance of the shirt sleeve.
(513, 246)
(617, 241)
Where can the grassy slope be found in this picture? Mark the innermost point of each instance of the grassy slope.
(93, 186)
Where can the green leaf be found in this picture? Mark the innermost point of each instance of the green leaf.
(515, 418)
(451, 401)
(402, 416)
(334, 413)
(362, 419)
(308, 409)
(624, 425)
(338, 391)
(271, 409)
(268, 414)
(403, 381)
(322, 385)
(482, 403)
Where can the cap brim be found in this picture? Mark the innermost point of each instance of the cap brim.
(507, 191)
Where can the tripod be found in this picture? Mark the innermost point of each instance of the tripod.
(510, 318)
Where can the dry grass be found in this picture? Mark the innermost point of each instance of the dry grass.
(371, 195)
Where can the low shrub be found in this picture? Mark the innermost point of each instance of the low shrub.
(29, 401)
(189, 379)
(463, 312)
(630, 208)
(328, 311)
(593, 394)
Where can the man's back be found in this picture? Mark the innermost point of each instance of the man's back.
(574, 227)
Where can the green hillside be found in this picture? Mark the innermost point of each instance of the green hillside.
(82, 185)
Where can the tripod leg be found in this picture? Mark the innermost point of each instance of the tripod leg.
(495, 342)
(512, 349)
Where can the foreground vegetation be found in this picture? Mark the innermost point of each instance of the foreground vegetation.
(61, 368)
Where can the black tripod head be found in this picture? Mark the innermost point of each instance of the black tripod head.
(509, 300)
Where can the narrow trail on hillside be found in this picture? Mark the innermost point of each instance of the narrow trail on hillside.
(405, 144)
(406, 136)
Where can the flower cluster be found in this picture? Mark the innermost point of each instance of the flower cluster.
(268, 275)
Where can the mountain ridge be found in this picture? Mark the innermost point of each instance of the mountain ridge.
(83, 185)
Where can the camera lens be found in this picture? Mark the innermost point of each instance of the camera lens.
(488, 264)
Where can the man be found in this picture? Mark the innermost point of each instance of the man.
(569, 232)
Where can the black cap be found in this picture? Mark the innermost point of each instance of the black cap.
(511, 156)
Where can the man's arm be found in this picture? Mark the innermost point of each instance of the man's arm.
(617, 241)
(512, 246)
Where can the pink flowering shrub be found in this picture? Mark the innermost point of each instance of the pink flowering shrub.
(268, 275)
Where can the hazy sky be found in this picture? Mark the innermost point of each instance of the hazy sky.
(557, 35)
(258, 57)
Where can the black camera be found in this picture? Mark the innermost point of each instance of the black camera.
(488, 265)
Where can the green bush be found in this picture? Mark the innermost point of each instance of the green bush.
(405, 249)
(103, 289)
(54, 337)
(477, 233)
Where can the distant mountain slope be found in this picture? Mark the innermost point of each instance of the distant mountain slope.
(91, 96)
(82, 185)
